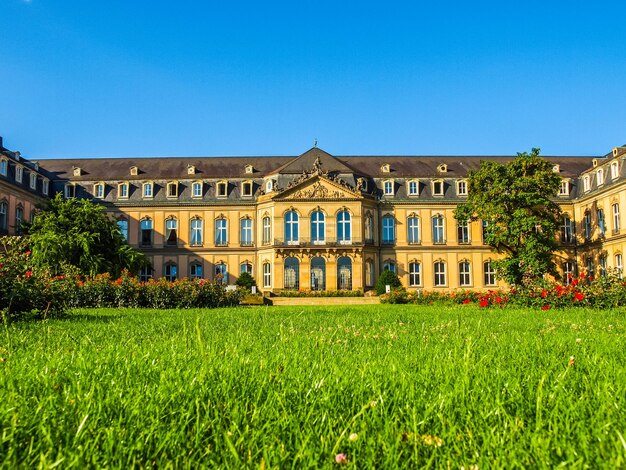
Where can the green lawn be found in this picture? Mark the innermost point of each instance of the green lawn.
(287, 387)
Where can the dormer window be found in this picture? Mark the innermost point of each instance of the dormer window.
(388, 187)
(33, 181)
(443, 168)
(594, 162)
(4, 166)
(147, 191)
(122, 191)
(438, 188)
(269, 186)
(77, 171)
(614, 170)
(586, 183)
(172, 189)
(385, 168)
(249, 169)
(564, 189)
(19, 173)
(45, 187)
(222, 189)
(98, 190)
(134, 171)
(414, 188)
(600, 177)
(246, 188)
(70, 191)
(556, 168)
(196, 189)
(461, 188)
(191, 170)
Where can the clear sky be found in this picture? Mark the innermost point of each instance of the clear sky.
(150, 78)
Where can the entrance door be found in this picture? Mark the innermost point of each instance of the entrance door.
(318, 274)
(344, 273)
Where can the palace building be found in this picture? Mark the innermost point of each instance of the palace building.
(317, 221)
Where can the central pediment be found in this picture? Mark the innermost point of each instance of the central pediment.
(318, 187)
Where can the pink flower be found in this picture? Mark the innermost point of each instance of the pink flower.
(341, 459)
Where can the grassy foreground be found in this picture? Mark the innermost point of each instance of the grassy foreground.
(388, 386)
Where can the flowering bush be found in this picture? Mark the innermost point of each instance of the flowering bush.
(395, 296)
(320, 293)
(24, 289)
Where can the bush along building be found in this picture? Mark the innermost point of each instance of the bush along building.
(318, 221)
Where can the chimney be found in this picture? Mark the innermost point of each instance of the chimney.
(1, 146)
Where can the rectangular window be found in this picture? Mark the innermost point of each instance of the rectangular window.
(619, 267)
(246, 232)
(122, 225)
(414, 230)
(4, 165)
(145, 273)
(438, 231)
(590, 266)
(490, 274)
(415, 274)
(600, 177)
(196, 189)
(485, 226)
(46, 187)
(19, 217)
(171, 272)
(267, 231)
(587, 225)
(389, 230)
(98, 190)
(267, 275)
(568, 272)
(614, 170)
(388, 188)
(221, 233)
(19, 173)
(122, 191)
(70, 191)
(586, 183)
(564, 189)
(465, 278)
(196, 232)
(196, 271)
(33, 181)
(222, 189)
(171, 232)
(147, 190)
(146, 232)
(603, 265)
(4, 209)
(438, 188)
(440, 274)
(601, 223)
(616, 222)
(172, 190)
(413, 188)
(463, 233)
(566, 230)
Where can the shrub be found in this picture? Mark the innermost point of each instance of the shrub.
(387, 278)
(320, 293)
(246, 280)
(396, 296)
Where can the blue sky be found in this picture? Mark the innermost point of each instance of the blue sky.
(152, 78)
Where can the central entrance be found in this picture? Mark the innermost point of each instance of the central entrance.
(318, 273)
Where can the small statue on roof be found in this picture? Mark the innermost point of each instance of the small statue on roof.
(317, 166)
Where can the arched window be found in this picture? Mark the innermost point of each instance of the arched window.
(292, 273)
(440, 273)
(344, 227)
(318, 273)
(4, 210)
(221, 273)
(413, 225)
(267, 230)
(415, 273)
(616, 221)
(344, 273)
(171, 231)
(390, 265)
(145, 227)
(465, 278)
(196, 227)
(389, 230)
(196, 270)
(122, 225)
(291, 228)
(267, 275)
(245, 267)
(318, 228)
(438, 229)
(221, 232)
(171, 271)
(369, 228)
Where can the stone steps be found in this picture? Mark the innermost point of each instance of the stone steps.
(324, 300)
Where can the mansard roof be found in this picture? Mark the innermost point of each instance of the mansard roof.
(163, 168)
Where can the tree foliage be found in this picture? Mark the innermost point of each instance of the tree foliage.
(516, 200)
(79, 233)
(245, 280)
(387, 278)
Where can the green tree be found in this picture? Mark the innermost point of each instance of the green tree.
(387, 278)
(79, 233)
(516, 201)
(246, 280)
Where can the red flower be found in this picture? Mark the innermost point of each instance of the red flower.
(466, 301)
(544, 294)
(591, 278)
(29, 273)
(484, 303)
(575, 282)
(579, 296)
(498, 300)
(27, 253)
(545, 307)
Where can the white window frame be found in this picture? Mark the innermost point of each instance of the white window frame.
(19, 173)
(147, 190)
(564, 189)
(413, 229)
(4, 166)
(489, 274)
(67, 191)
(344, 227)
(218, 189)
(98, 190)
(33, 181)
(465, 273)
(461, 188)
(586, 183)
(267, 274)
(245, 232)
(600, 177)
(221, 232)
(415, 273)
(414, 187)
(196, 189)
(244, 185)
(123, 190)
(435, 183)
(438, 225)
(171, 190)
(439, 273)
(614, 170)
(619, 266)
(388, 187)
(45, 188)
(196, 231)
(267, 230)
(616, 218)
